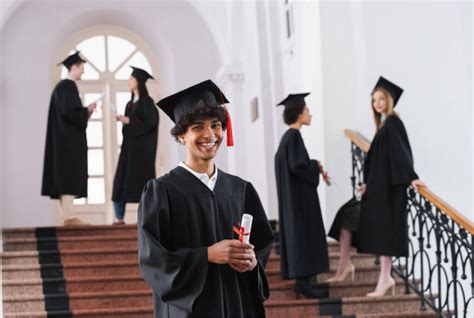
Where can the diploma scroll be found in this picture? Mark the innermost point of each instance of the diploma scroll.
(245, 228)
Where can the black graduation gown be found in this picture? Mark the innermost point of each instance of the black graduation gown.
(65, 156)
(178, 219)
(388, 170)
(136, 164)
(303, 246)
(351, 207)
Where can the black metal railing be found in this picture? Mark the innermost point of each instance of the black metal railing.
(440, 264)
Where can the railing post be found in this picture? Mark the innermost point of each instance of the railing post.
(454, 267)
(438, 234)
(421, 240)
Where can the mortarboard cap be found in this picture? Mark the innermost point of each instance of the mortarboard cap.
(73, 59)
(208, 92)
(394, 90)
(294, 100)
(140, 74)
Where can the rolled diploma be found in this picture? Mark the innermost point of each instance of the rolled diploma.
(246, 225)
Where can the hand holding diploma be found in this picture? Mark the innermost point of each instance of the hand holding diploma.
(91, 108)
(325, 174)
(238, 254)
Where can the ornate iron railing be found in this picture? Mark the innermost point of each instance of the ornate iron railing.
(440, 265)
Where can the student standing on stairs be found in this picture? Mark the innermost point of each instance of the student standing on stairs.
(65, 157)
(186, 221)
(136, 164)
(388, 171)
(303, 245)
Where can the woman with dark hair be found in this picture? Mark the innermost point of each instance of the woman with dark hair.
(303, 245)
(136, 164)
(189, 252)
(388, 171)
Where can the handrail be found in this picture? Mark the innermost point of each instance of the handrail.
(364, 144)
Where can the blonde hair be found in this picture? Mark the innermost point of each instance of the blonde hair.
(389, 100)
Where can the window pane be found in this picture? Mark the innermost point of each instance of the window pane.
(80, 201)
(94, 134)
(119, 133)
(95, 162)
(93, 49)
(118, 50)
(95, 191)
(121, 100)
(91, 97)
(138, 60)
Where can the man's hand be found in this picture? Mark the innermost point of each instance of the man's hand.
(238, 255)
(91, 108)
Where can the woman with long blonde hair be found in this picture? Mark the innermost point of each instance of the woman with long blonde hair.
(388, 171)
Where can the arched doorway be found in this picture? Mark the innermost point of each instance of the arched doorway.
(109, 53)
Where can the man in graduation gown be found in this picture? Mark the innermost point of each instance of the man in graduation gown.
(188, 250)
(65, 158)
(303, 245)
(136, 164)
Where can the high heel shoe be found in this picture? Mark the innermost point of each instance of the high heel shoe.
(383, 291)
(350, 268)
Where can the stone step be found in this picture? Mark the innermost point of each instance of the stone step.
(144, 312)
(94, 300)
(362, 273)
(72, 231)
(342, 306)
(284, 291)
(79, 269)
(356, 259)
(70, 243)
(74, 285)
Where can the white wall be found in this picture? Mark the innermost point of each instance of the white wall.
(340, 49)
(427, 49)
(33, 38)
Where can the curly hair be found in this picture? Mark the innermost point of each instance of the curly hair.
(200, 112)
(291, 113)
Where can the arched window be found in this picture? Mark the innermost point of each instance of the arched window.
(106, 74)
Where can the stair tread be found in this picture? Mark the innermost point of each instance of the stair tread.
(69, 239)
(345, 300)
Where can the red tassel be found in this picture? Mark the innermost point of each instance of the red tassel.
(230, 135)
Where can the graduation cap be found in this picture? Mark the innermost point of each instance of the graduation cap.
(208, 92)
(140, 74)
(72, 59)
(294, 100)
(394, 90)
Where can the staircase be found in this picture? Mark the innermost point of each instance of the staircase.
(93, 272)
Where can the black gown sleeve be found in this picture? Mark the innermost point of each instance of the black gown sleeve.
(299, 163)
(144, 121)
(70, 105)
(178, 276)
(400, 155)
(261, 237)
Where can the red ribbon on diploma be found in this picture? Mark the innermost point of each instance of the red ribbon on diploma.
(241, 232)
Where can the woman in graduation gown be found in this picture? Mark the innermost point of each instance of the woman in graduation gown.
(136, 164)
(303, 245)
(344, 229)
(388, 171)
(188, 250)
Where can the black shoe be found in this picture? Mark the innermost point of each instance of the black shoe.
(308, 292)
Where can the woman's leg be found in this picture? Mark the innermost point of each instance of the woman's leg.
(345, 240)
(385, 272)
